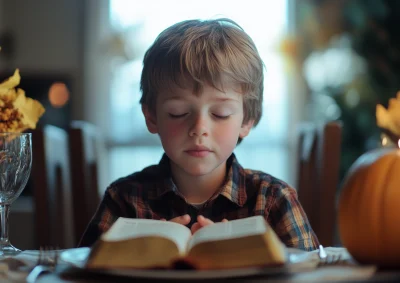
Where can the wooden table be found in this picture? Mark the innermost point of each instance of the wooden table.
(349, 272)
(323, 274)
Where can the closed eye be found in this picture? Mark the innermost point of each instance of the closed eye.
(221, 117)
(174, 116)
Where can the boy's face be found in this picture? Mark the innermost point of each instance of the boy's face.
(198, 132)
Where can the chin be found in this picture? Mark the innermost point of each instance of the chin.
(196, 171)
(196, 167)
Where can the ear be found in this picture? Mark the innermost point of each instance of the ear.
(245, 129)
(150, 118)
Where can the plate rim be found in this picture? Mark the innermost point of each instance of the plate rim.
(179, 274)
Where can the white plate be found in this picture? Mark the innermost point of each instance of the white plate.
(298, 260)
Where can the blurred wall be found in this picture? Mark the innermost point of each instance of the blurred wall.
(47, 37)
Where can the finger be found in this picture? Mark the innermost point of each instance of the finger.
(204, 221)
(163, 219)
(195, 227)
(224, 220)
(184, 219)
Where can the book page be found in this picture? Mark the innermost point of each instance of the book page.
(127, 228)
(227, 230)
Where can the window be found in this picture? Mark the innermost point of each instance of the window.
(132, 147)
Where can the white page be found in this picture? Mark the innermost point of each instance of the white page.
(227, 230)
(127, 228)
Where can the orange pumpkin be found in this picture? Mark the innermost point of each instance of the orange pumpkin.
(369, 208)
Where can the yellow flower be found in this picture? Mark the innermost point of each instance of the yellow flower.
(389, 119)
(17, 112)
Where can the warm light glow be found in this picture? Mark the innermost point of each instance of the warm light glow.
(398, 143)
(384, 141)
(58, 95)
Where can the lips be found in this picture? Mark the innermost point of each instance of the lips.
(198, 151)
(199, 148)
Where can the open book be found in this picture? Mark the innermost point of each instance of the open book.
(143, 243)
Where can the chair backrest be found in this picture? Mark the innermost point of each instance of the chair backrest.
(50, 179)
(319, 148)
(84, 140)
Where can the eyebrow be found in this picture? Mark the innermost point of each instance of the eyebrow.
(226, 99)
(222, 99)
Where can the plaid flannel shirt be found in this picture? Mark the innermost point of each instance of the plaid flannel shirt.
(152, 194)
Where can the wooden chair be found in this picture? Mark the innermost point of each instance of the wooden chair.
(52, 194)
(319, 151)
(84, 140)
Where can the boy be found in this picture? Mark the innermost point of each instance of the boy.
(202, 89)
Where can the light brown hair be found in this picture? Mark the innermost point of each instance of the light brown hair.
(199, 52)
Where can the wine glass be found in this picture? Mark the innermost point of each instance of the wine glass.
(15, 168)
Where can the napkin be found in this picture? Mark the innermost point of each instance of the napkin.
(335, 251)
(16, 268)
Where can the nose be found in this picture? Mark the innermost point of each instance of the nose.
(199, 126)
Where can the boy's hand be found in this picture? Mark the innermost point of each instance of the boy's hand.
(201, 222)
(184, 219)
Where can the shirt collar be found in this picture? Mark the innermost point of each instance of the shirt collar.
(166, 184)
(233, 189)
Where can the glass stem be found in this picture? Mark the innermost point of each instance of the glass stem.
(4, 211)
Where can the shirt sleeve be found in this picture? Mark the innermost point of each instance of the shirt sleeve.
(107, 213)
(290, 222)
